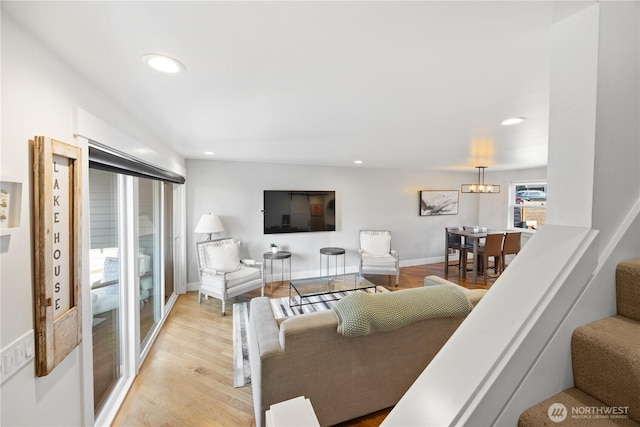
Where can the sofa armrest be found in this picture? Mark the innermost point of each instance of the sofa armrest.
(264, 345)
(473, 295)
(264, 327)
(435, 280)
(306, 324)
(251, 262)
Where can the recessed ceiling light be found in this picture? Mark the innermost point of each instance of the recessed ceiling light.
(163, 63)
(209, 153)
(513, 121)
(357, 162)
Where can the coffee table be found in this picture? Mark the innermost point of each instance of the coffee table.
(301, 290)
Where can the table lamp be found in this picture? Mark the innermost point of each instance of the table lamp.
(209, 224)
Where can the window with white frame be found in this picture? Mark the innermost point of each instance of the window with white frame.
(527, 204)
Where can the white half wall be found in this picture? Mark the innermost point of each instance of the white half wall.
(616, 184)
(572, 118)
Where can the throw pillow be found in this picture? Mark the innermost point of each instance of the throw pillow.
(224, 257)
(375, 244)
(111, 269)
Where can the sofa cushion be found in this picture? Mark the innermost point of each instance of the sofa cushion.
(215, 282)
(378, 261)
(362, 313)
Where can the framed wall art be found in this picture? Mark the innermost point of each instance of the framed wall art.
(57, 201)
(10, 204)
(438, 202)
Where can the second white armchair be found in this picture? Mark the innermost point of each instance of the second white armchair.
(376, 255)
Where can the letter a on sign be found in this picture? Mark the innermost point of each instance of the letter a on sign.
(57, 224)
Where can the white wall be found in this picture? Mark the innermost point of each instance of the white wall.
(617, 174)
(38, 96)
(365, 199)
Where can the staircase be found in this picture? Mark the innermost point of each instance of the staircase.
(606, 367)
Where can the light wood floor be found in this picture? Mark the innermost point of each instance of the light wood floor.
(186, 379)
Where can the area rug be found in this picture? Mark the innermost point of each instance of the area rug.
(281, 309)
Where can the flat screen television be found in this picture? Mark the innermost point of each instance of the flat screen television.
(288, 211)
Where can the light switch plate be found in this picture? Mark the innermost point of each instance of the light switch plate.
(16, 355)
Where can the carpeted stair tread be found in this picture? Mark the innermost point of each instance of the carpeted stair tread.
(605, 355)
(577, 403)
(606, 361)
(628, 289)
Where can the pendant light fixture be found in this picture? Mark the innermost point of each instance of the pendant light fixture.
(480, 187)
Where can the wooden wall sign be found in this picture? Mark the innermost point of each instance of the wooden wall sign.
(57, 202)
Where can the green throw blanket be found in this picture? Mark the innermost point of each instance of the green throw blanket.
(361, 313)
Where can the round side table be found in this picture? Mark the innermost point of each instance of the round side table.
(280, 255)
(335, 252)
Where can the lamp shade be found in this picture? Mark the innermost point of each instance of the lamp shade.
(208, 224)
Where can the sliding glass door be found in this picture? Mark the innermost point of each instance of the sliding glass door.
(169, 241)
(149, 259)
(132, 238)
(106, 289)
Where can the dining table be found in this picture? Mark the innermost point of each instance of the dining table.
(472, 236)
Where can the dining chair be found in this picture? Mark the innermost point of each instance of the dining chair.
(455, 242)
(511, 246)
(468, 241)
(492, 248)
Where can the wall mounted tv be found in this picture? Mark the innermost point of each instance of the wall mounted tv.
(287, 211)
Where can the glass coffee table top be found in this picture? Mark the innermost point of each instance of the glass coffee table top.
(302, 290)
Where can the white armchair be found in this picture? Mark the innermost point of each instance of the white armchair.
(222, 274)
(376, 255)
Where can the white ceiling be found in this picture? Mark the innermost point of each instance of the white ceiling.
(419, 85)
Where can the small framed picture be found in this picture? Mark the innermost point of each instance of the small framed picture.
(438, 202)
(5, 206)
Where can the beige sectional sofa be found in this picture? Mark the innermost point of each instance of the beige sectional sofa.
(343, 376)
